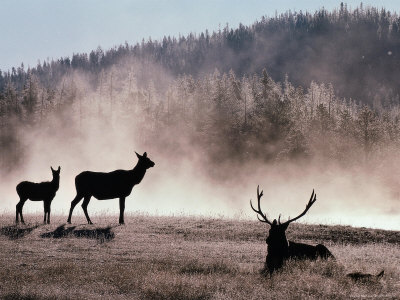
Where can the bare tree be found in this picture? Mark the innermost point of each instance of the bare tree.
(279, 248)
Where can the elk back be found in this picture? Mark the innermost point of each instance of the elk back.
(305, 251)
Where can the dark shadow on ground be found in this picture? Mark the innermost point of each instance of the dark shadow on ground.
(59, 232)
(16, 231)
(20, 296)
(101, 234)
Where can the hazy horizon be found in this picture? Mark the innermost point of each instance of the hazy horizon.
(183, 180)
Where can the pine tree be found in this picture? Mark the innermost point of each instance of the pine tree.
(30, 96)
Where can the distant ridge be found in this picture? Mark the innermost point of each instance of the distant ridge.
(358, 51)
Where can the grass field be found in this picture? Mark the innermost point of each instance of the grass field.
(186, 258)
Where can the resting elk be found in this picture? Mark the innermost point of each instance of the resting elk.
(44, 191)
(279, 248)
(104, 186)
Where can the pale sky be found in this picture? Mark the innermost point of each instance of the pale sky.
(36, 30)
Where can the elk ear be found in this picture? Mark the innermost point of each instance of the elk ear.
(145, 154)
(52, 169)
(59, 169)
(138, 155)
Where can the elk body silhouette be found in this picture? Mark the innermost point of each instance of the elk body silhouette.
(279, 248)
(104, 186)
(44, 191)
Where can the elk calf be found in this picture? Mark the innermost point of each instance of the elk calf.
(104, 186)
(279, 248)
(44, 191)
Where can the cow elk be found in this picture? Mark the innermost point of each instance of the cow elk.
(104, 186)
(279, 248)
(44, 191)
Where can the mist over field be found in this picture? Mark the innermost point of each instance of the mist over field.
(217, 131)
(98, 131)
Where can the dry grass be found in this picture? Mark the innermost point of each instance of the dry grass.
(185, 258)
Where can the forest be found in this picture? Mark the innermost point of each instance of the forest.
(355, 50)
(297, 86)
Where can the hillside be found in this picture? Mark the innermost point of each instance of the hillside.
(355, 50)
(185, 258)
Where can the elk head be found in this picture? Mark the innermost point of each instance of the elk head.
(56, 173)
(278, 246)
(145, 161)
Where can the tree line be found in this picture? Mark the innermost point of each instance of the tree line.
(228, 118)
(355, 50)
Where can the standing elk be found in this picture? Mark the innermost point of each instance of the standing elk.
(104, 186)
(279, 248)
(44, 191)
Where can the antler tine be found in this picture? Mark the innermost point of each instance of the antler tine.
(259, 211)
(313, 198)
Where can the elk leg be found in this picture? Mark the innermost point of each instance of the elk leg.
(121, 210)
(19, 206)
(84, 207)
(17, 213)
(73, 204)
(21, 216)
(47, 211)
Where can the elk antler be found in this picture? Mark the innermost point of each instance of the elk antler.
(259, 212)
(313, 198)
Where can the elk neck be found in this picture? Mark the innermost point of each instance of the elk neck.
(138, 172)
(56, 182)
(278, 244)
(279, 249)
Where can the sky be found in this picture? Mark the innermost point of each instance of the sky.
(50, 29)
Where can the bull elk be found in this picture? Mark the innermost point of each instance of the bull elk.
(104, 186)
(44, 191)
(279, 248)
